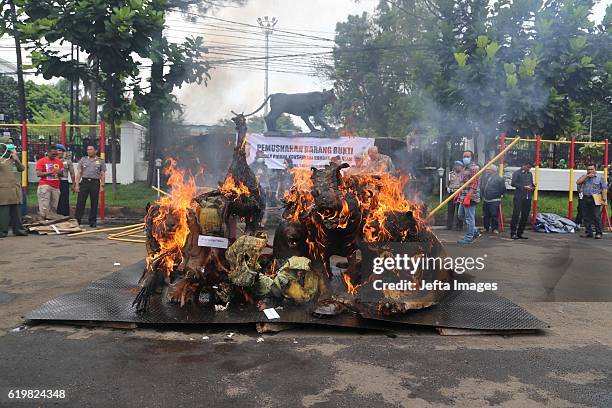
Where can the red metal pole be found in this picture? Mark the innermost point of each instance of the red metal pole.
(103, 158)
(64, 133)
(604, 213)
(571, 181)
(537, 173)
(606, 157)
(502, 144)
(24, 161)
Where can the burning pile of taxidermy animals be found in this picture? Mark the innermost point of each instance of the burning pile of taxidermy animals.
(196, 256)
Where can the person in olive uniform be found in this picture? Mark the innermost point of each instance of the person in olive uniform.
(89, 182)
(10, 189)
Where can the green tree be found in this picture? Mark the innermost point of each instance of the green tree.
(48, 104)
(112, 33)
(600, 108)
(186, 66)
(378, 65)
(9, 24)
(8, 99)
(519, 66)
(557, 73)
(472, 68)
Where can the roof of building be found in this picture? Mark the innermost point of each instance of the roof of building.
(7, 67)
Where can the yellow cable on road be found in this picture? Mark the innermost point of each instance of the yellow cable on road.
(137, 241)
(124, 233)
(106, 229)
(128, 236)
(474, 177)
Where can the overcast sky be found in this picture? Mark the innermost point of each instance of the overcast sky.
(241, 86)
(304, 27)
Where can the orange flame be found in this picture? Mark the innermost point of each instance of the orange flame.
(378, 196)
(300, 194)
(350, 288)
(234, 188)
(170, 226)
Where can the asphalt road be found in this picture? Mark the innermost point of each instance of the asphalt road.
(569, 364)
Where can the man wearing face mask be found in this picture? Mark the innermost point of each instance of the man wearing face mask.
(10, 189)
(522, 181)
(452, 184)
(594, 192)
(469, 198)
(48, 170)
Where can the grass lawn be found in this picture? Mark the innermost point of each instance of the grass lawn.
(135, 195)
(548, 201)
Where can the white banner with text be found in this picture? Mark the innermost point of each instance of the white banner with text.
(305, 151)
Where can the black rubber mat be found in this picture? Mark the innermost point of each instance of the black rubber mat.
(110, 300)
(468, 310)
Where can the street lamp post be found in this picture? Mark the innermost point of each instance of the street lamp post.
(158, 166)
(440, 176)
(267, 25)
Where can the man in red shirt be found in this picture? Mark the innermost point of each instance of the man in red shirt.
(48, 170)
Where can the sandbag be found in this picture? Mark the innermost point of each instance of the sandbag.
(209, 217)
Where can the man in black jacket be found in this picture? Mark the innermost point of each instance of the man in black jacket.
(492, 189)
(522, 181)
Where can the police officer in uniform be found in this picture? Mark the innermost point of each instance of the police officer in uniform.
(89, 182)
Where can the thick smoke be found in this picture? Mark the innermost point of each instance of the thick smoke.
(243, 90)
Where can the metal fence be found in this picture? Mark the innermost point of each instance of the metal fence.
(76, 138)
(555, 154)
(543, 153)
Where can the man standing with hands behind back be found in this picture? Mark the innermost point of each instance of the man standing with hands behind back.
(522, 181)
(89, 182)
(594, 191)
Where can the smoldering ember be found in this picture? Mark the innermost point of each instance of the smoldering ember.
(265, 203)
